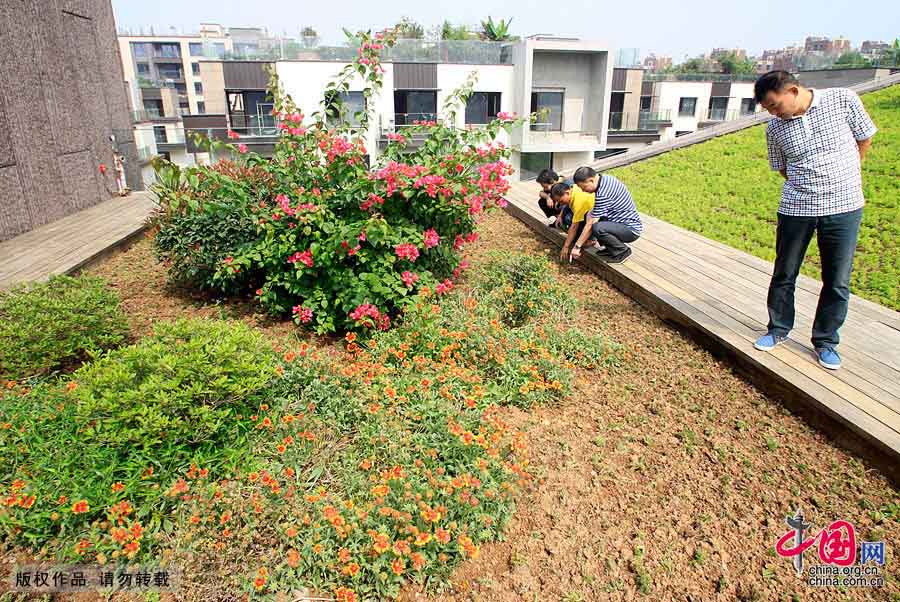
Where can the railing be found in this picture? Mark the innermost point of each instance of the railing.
(723, 115)
(699, 77)
(638, 120)
(475, 52)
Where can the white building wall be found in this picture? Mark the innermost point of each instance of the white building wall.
(491, 78)
(305, 82)
(669, 95)
(739, 91)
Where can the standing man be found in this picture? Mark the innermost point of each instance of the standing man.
(817, 141)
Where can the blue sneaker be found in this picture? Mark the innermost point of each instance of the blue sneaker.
(768, 341)
(828, 357)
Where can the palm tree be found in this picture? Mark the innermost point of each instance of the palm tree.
(495, 32)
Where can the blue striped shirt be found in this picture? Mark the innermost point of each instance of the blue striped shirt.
(613, 203)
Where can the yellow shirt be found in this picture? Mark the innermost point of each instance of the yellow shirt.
(582, 203)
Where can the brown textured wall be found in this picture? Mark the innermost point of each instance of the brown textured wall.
(61, 97)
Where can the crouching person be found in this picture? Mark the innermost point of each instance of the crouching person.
(613, 221)
(574, 206)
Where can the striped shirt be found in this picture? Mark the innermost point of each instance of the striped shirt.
(818, 150)
(613, 203)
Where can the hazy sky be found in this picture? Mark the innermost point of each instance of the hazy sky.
(672, 27)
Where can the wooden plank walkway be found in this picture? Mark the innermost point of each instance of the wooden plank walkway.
(63, 246)
(718, 294)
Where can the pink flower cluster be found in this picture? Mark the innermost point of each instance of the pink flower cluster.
(242, 148)
(304, 313)
(431, 238)
(393, 171)
(463, 265)
(503, 116)
(339, 146)
(444, 287)
(368, 314)
(430, 183)
(232, 135)
(407, 251)
(284, 203)
(305, 258)
(290, 122)
(351, 251)
(396, 137)
(409, 278)
(426, 123)
(373, 199)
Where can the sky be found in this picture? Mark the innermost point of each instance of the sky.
(677, 28)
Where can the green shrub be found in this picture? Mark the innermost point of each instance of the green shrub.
(136, 418)
(56, 324)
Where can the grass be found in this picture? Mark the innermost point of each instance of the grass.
(724, 190)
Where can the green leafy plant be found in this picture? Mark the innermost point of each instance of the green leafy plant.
(495, 32)
(57, 324)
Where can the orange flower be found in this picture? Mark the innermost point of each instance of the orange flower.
(290, 356)
(344, 555)
(281, 448)
(132, 548)
(317, 549)
(351, 336)
(418, 560)
(81, 546)
(117, 486)
(148, 472)
(137, 530)
(365, 464)
(71, 386)
(253, 476)
(380, 490)
(293, 558)
(345, 594)
(401, 548)
(119, 534)
(381, 543)
(291, 532)
(80, 507)
(423, 538)
(430, 516)
(351, 569)
(397, 566)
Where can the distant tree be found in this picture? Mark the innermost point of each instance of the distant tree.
(690, 66)
(892, 56)
(736, 66)
(409, 29)
(496, 32)
(852, 58)
(453, 32)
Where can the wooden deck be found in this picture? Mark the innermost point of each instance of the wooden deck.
(65, 245)
(718, 294)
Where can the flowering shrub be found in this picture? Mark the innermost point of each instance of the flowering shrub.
(314, 232)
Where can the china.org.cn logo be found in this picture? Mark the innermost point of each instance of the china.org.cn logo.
(837, 552)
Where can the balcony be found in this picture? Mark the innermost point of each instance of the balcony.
(541, 138)
(698, 77)
(639, 121)
(145, 115)
(717, 115)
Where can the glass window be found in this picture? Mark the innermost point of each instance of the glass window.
(482, 107)
(159, 132)
(532, 164)
(351, 104)
(718, 106)
(198, 88)
(195, 68)
(219, 48)
(748, 106)
(143, 69)
(141, 49)
(548, 106)
(414, 105)
(168, 50)
(646, 101)
(201, 107)
(687, 107)
(196, 48)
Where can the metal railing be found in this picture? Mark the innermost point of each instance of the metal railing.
(699, 77)
(638, 120)
(723, 114)
(475, 52)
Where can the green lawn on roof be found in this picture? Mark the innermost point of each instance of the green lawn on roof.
(724, 190)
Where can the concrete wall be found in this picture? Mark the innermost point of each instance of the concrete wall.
(667, 98)
(570, 73)
(61, 97)
(491, 78)
(213, 76)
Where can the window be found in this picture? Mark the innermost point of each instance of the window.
(350, 104)
(482, 107)
(532, 164)
(143, 69)
(159, 132)
(153, 107)
(748, 106)
(414, 105)
(181, 88)
(219, 48)
(718, 107)
(141, 49)
(195, 68)
(196, 48)
(166, 155)
(548, 106)
(687, 107)
(198, 88)
(646, 101)
(201, 107)
(170, 71)
(680, 133)
(167, 50)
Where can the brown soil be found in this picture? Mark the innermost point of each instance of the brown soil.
(667, 478)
